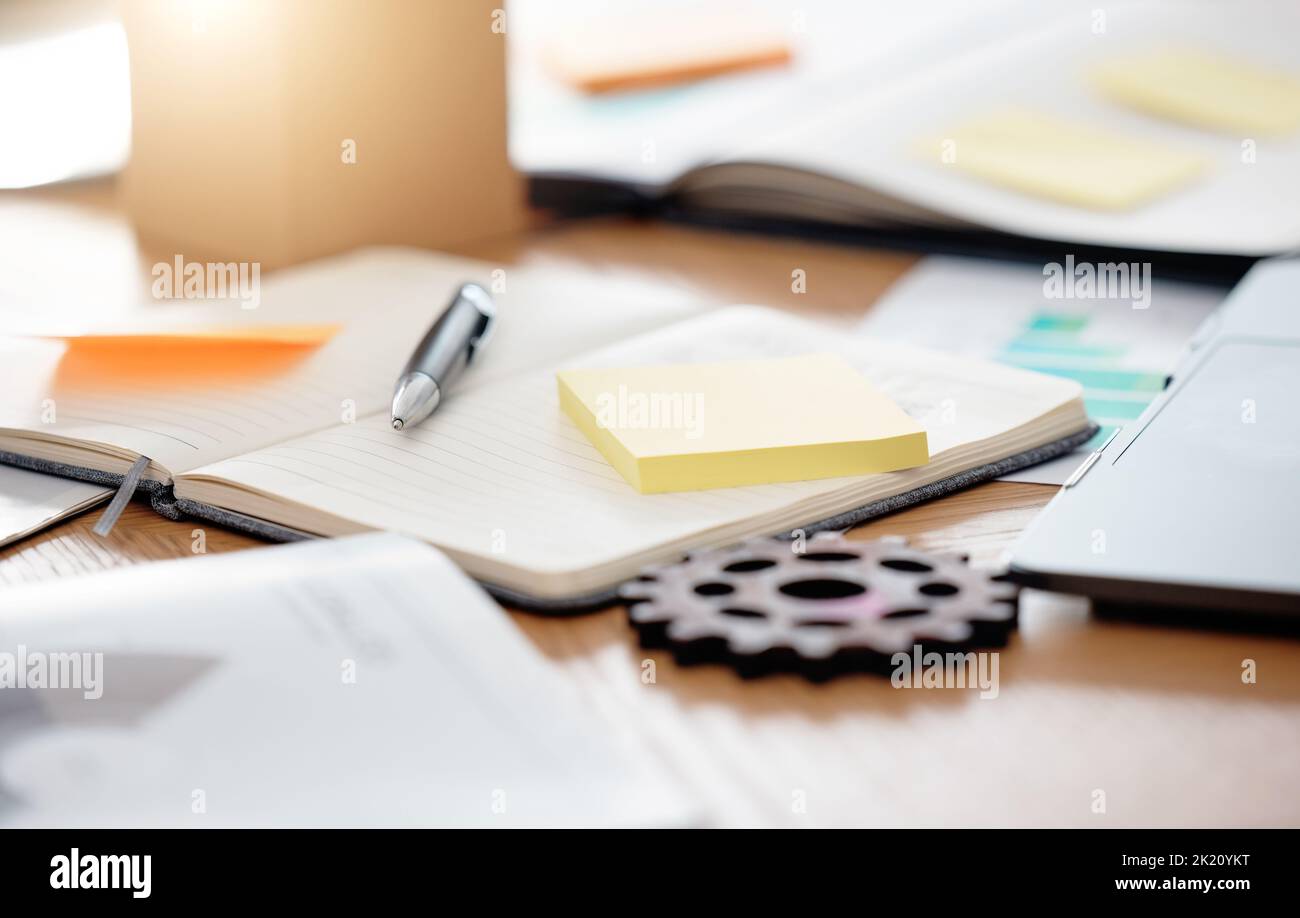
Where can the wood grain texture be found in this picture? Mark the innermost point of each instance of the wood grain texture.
(1157, 719)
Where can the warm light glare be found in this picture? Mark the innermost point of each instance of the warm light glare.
(66, 109)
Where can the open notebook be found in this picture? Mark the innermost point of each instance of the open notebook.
(853, 134)
(499, 478)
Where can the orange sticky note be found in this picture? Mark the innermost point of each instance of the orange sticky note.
(288, 335)
(636, 52)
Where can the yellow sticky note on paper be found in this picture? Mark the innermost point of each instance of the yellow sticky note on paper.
(1063, 160)
(1204, 90)
(746, 422)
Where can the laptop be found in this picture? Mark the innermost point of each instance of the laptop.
(1197, 503)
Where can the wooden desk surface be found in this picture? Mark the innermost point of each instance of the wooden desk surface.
(1158, 720)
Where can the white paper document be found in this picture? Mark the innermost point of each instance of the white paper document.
(30, 501)
(358, 681)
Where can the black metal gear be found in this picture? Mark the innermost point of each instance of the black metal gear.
(837, 606)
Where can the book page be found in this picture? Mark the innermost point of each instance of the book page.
(30, 501)
(501, 473)
(1035, 60)
(186, 406)
(361, 681)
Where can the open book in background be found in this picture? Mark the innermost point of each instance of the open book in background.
(354, 682)
(499, 478)
(858, 139)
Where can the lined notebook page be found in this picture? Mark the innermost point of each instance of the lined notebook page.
(500, 472)
(189, 407)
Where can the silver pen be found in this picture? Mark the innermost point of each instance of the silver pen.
(449, 346)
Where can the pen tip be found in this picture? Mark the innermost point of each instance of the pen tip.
(397, 424)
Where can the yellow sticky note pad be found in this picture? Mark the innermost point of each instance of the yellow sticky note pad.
(1204, 90)
(746, 422)
(1062, 160)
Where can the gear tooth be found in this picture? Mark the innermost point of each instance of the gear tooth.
(638, 591)
(748, 643)
(647, 613)
(1007, 592)
(994, 612)
(955, 632)
(695, 631)
(893, 540)
(814, 646)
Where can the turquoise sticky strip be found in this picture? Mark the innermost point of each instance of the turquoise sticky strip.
(1047, 321)
(1066, 349)
(1114, 409)
(1120, 380)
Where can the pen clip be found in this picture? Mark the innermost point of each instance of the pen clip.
(482, 302)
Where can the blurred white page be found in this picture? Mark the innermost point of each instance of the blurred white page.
(30, 501)
(1000, 311)
(359, 681)
(871, 82)
(841, 53)
(1245, 204)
